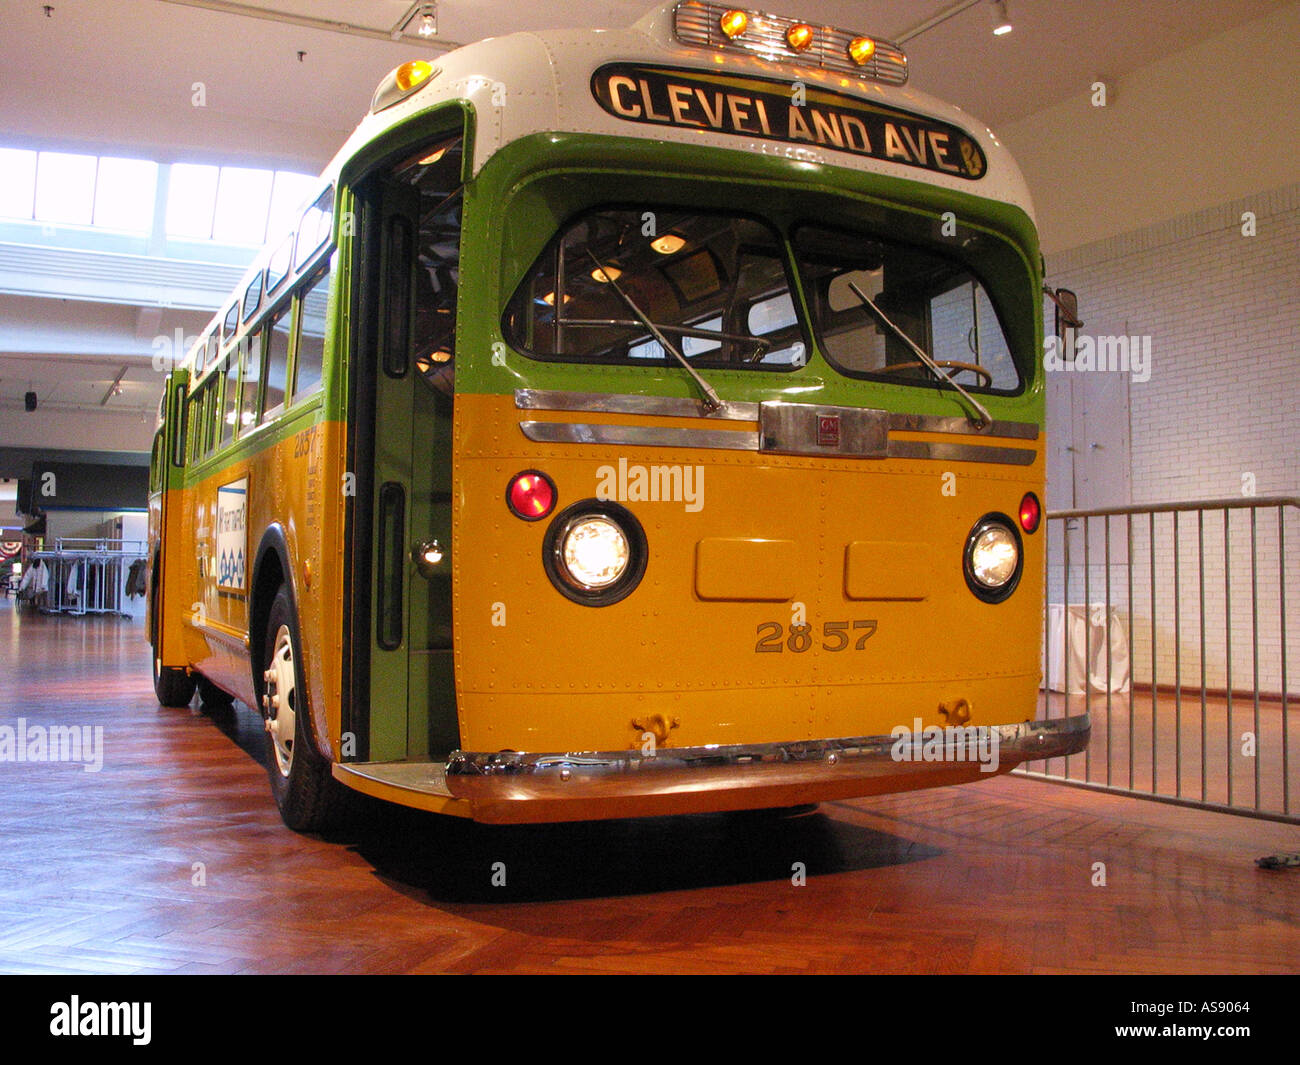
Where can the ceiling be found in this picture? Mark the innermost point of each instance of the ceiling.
(131, 64)
(122, 76)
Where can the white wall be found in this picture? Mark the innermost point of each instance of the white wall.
(1143, 211)
(1219, 417)
(1204, 126)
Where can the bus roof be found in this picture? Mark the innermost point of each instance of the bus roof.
(644, 81)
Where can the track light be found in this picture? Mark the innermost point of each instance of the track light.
(420, 20)
(1001, 20)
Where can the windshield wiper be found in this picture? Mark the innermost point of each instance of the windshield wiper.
(761, 346)
(710, 399)
(984, 419)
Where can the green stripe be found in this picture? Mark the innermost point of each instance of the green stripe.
(526, 191)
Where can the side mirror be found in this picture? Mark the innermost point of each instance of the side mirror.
(1068, 321)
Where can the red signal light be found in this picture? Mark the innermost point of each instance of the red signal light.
(531, 495)
(1031, 512)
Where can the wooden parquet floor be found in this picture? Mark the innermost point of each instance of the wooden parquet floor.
(100, 871)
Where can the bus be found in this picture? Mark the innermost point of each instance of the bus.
(634, 422)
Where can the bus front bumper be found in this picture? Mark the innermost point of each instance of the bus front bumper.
(512, 788)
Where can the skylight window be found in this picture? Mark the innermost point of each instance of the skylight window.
(233, 205)
(62, 188)
(17, 183)
(243, 198)
(291, 192)
(227, 205)
(191, 198)
(65, 188)
(124, 194)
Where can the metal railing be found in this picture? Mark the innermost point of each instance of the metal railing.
(1168, 625)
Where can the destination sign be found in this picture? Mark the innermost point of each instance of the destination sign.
(794, 112)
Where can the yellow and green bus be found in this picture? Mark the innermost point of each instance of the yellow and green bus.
(636, 422)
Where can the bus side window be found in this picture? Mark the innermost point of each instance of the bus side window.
(315, 228)
(276, 342)
(231, 323)
(211, 412)
(230, 407)
(193, 425)
(310, 335)
(177, 415)
(156, 463)
(251, 358)
(252, 297)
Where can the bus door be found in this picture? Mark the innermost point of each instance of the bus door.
(412, 689)
(167, 601)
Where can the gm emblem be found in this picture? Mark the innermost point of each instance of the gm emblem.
(828, 430)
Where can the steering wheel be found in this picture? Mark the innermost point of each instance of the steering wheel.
(948, 364)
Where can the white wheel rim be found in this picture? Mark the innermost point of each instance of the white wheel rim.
(281, 691)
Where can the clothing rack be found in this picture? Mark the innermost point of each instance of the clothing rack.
(88, 575)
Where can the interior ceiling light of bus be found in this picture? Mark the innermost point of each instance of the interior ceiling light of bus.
(779, 39)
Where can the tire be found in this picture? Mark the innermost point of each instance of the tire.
(212, 697)
(173, 687)
(309, 798)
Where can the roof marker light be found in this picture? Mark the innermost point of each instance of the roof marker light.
(861, 49)
(800, 37)
(409, 75)
(401, 82)
(734, 23)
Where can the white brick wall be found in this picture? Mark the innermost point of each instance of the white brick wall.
(1222, 402)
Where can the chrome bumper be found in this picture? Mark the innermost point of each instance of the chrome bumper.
(511, 787)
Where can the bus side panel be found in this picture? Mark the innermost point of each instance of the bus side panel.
(288, 482)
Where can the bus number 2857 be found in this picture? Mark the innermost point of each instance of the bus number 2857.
(836, 635)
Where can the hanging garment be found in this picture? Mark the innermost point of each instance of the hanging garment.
(135, 580)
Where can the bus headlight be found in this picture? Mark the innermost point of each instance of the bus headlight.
(993, 558)
(595, 552)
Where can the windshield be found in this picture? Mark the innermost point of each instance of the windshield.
(715, 286)
(936, 301)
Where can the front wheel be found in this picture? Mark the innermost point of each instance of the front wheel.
(308, 796)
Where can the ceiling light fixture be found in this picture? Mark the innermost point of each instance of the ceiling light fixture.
(420, 21)
(324, 25)
(1001, 20)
